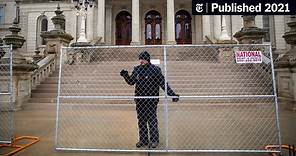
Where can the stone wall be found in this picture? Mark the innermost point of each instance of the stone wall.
(30, 13)
(9, 13)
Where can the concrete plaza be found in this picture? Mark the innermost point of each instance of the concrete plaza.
(39, 120)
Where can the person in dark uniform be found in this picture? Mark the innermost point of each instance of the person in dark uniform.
(148, 78)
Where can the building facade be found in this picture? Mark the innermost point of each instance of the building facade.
(133, 22)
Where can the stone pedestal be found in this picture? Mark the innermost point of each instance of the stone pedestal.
(226, 55)
(286, 70)
(286, 85)
(57, 38)
(55, 41)
(21, 88)
(22, 69)
(249, 34)
(21, 80)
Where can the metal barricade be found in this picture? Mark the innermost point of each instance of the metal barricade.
(6, 105)
(224, 105)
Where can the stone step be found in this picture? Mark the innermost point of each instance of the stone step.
(174, 80)
(136, 62)
(131, 93)
(183, 74)
(117, 103)
(182, 81)
(178, 90)
(171, 67)
(113, 69)
(172, 85)
(43, 100)
(170, 74)
(50, 87)
(49, 107)
(175, 83)
(187, 75)
(161, 106)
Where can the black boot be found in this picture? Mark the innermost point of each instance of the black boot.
(141, 144)
(153, 144)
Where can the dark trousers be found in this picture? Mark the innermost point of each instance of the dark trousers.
(147, 116)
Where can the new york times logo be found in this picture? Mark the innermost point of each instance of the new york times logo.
(235, 7)
(199, 8)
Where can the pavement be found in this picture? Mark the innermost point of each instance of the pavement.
(40, 120)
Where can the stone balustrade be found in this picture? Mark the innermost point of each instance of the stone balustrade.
(46, 67)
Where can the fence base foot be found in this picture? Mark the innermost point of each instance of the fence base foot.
(18, 147)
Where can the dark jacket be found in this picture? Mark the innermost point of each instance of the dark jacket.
(148, 79)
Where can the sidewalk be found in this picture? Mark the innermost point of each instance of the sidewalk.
(40, 121)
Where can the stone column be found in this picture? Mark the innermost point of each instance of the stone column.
(206, 28)
(224, 34)
(101, 21)
(135, 22)
(90, 24)
(217, 26)
(286, 69)
(198, 29)
(249, 34)
(170, 22)
(108, 38)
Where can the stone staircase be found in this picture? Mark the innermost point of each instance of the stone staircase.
(187, 78)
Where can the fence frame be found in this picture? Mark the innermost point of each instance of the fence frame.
(165, 97)
(10, 94)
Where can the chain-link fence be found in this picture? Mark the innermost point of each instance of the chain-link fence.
(191, 98)
(6, 105)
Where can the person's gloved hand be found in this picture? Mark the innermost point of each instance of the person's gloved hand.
(175, 99)
(124, 73)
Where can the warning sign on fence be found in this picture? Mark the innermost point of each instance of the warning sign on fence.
(248, 57)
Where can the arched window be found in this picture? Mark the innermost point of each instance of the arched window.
(153, 33)
(183, 27)
(123, 32)
(42, 26)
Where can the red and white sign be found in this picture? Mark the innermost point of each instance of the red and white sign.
(248, 56)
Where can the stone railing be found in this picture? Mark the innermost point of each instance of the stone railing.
(46, 67)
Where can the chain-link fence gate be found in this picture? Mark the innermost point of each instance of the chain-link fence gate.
(6, 105)
(227, 99)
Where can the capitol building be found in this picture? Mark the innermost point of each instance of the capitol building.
(135, 22)
(61, 72)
